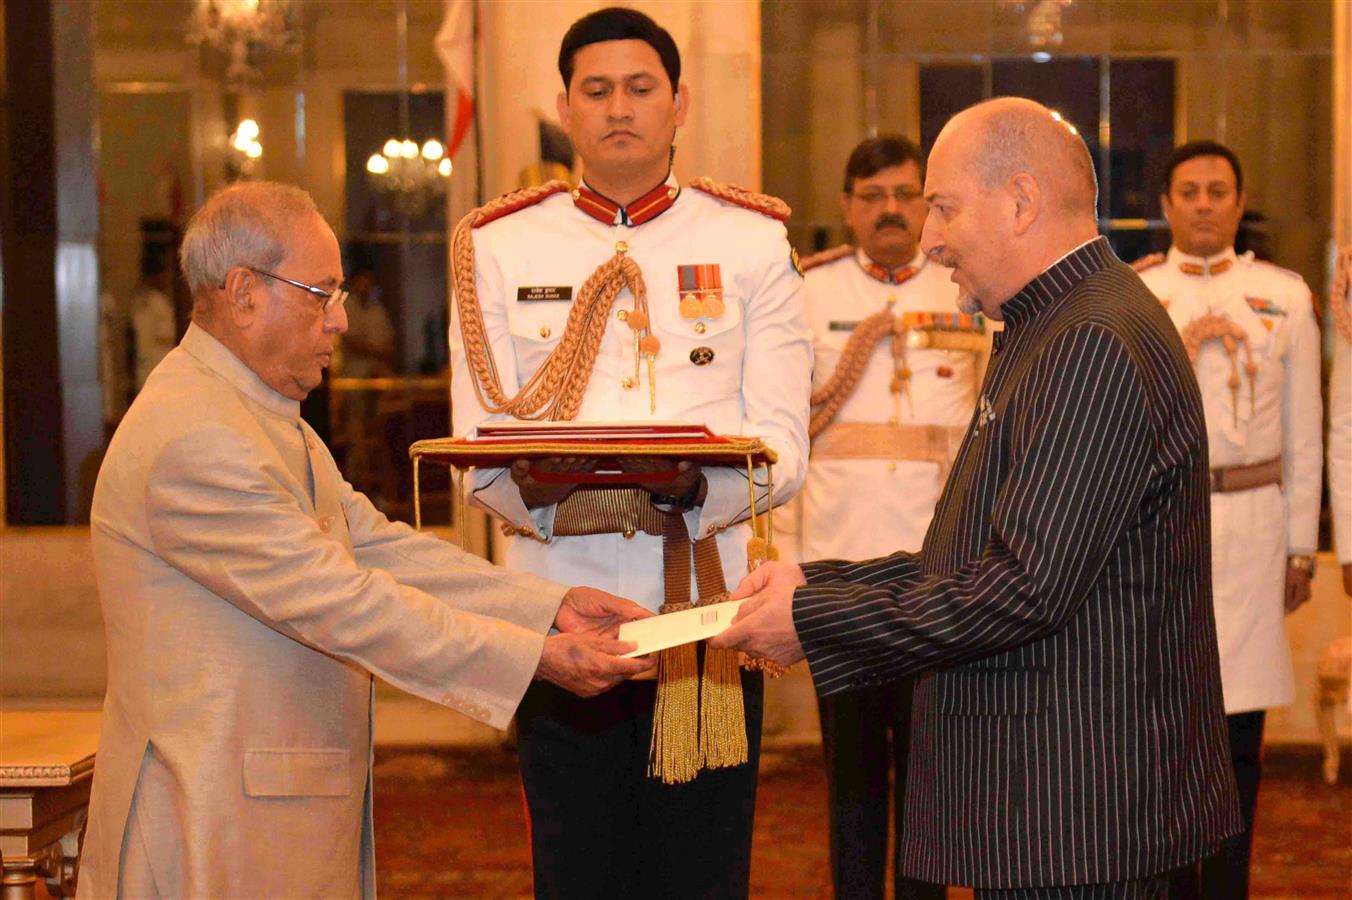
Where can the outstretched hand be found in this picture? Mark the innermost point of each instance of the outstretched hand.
(588, 610)
(588, 664)
(764, 625)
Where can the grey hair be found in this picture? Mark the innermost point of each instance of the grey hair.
(244, 224)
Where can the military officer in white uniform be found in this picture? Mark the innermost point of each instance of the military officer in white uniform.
(719, 337)
(1250, 330)
(895, 380)
(1340, 414)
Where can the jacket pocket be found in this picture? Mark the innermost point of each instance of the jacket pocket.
(992, 692)
(297, 773)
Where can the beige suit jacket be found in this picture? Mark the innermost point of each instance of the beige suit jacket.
(248, 594)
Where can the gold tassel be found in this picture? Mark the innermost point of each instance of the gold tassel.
(722, 716)
(674, 754)
(758, 550)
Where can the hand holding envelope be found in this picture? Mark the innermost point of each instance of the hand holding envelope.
(587, 657)
(763, 625)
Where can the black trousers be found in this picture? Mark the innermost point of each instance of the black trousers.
(1154, 887)
(866, 734)
(601, 828)
(1225, 875)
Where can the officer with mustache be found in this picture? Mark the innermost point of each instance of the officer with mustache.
(894, 386)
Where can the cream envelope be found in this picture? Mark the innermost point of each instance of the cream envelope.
(674, 629)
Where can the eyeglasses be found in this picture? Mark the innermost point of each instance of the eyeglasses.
(328, 300)
(902, 195)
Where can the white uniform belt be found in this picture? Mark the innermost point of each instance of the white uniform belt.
(872, 440)
(1229, 479)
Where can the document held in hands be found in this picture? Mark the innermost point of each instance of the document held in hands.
(674, 629)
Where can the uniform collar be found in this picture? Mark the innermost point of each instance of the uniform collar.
(644, 209)
(1202, 265)
(1056, 281)
(879, 272)
(220, 360)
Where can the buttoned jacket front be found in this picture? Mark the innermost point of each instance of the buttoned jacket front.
(744, 372)
(248, 593)
(1278, 413)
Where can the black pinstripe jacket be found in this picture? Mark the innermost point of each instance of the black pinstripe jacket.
(1070, 729)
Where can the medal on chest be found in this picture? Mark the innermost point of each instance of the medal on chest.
(700, 288)
(930, 330)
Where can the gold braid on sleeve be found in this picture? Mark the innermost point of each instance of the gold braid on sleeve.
(555, 390)
(830, 397)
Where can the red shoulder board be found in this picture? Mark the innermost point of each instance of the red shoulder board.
(515, 201)
(761, 203)
(822, 257)
(1147, 262)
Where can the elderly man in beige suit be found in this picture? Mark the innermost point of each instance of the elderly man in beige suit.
(249, 592)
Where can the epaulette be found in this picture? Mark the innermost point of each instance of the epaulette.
(515, 201)
(730, 193)
(822, 257)
(1287, 272)
(1148, 262)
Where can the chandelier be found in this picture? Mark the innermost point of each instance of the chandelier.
(244, 30)
(1044, 20)
(245, 148)
(408, 176)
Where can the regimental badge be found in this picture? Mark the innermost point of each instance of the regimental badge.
(701, 290)
(702, 356)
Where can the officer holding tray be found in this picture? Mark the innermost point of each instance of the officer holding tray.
(631, 297)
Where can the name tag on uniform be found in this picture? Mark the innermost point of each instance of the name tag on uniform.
(544, 294)
(843, 326)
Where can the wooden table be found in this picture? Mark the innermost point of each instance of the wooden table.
(46, 768)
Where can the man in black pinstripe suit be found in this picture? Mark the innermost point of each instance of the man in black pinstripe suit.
(1068, 739)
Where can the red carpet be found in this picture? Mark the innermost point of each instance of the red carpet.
(449, 824)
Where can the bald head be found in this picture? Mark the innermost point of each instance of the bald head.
(1011, 190)
(1009, 135)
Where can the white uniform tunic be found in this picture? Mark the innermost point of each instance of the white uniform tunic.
(864, 508)
(757, 383)
(1276, 413)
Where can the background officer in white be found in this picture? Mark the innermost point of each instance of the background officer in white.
(1340, 414)
(599, 825)
(864, 498)
(1250, 329)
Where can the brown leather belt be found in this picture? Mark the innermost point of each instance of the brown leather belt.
(626, 510)
(869, 440)
(1230, 479)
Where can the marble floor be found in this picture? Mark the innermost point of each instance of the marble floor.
(449, 823)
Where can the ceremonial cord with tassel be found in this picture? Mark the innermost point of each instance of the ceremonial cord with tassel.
(698, 722)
